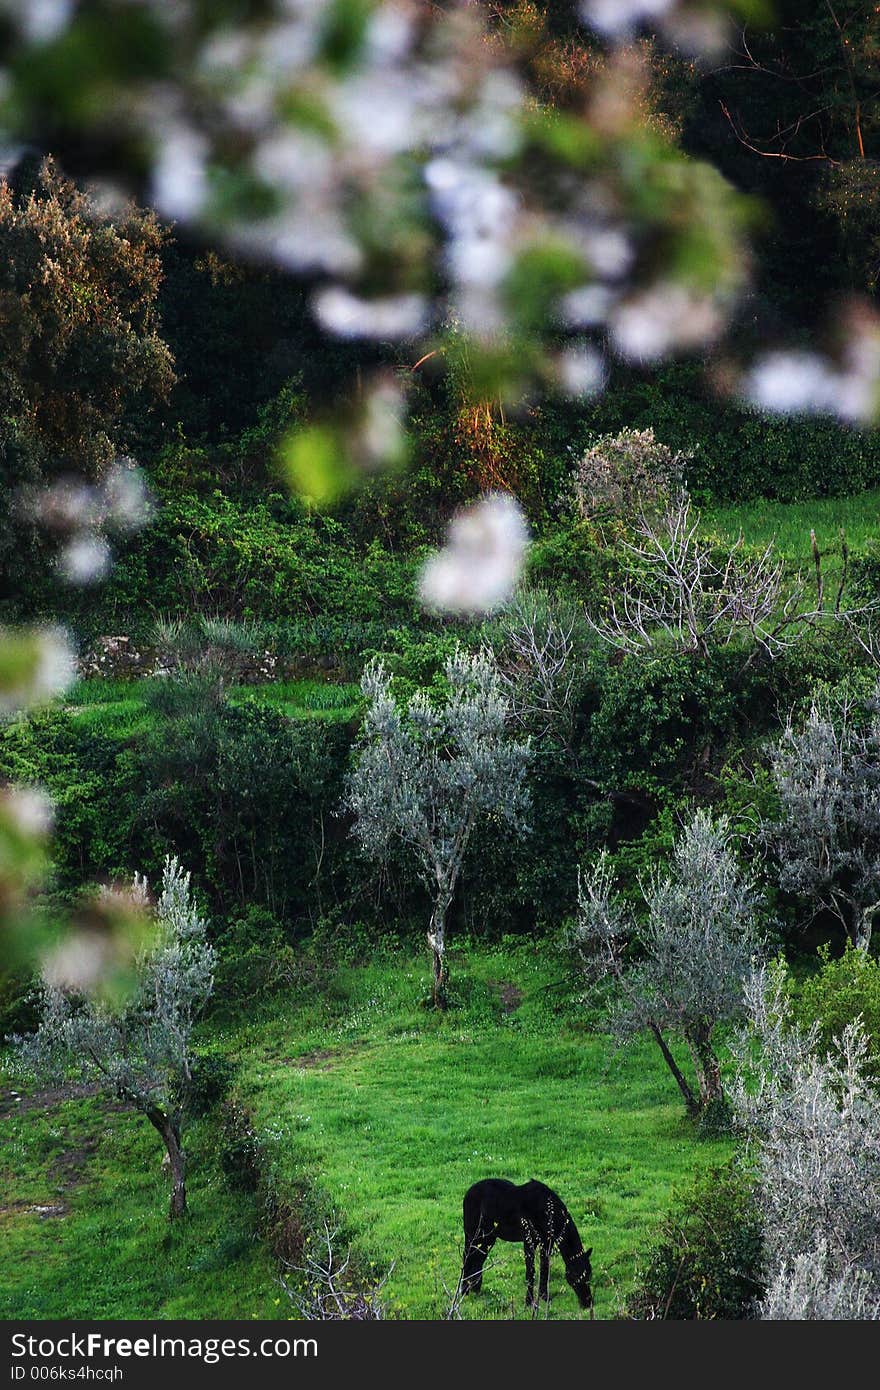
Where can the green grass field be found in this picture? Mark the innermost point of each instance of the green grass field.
(393, 1111)
(788, 524)
(119, 708)
(84, 1226)
(396, 1111)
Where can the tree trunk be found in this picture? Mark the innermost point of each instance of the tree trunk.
(170, 1133)
(690, 1099)
(706, 1064)
(864, 923)
(437, 943)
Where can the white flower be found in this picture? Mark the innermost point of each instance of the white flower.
(791, 383)
(796, 382)
(180, 184)
(127, 502)
(381, 437)
(48, 667)
(30, 809)
(41, 20)
(581, 370)
(586, 306)
(661, 319)
(85, 559)
(56, 667)
(478, 568)
(79, 963)
(620, 17)
(387, 319)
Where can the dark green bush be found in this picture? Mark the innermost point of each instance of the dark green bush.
(241, 1155)
(740, 454)
(706, 1261)
(212, 1076)
(95, 784)
(255, 959)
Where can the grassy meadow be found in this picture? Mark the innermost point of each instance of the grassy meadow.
(389, 1110)
(788, 524)
(393, 1112)
(84, 1226)
(120, 708)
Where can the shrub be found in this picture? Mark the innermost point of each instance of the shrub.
(706, 1261)
(212, 1076)
(739, 453)
(255, 958)
(842, 991)
(627, 473)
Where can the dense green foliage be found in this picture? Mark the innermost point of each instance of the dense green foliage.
(706, 1262)
(841, 991)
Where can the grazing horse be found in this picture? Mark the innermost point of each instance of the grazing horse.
(495, 1209)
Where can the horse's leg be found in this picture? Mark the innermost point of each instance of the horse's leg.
(544, 1275)
(529, 1249)
(475, 1254)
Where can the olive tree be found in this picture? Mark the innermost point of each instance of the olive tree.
(827, 838)
(812, 1125)
(680, 969)
(142, 1052)
(428, 774)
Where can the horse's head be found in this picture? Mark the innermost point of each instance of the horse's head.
(579, 1273)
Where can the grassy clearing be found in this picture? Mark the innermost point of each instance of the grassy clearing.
(393, 1111)
(788, 524)
(103, 1246)
(396, 1112)
(119, 709)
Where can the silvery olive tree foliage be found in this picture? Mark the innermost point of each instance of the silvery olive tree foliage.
(141, 1053)
(686, 592)
(428, 775)
(827, 839)
(679, 967)
(803, 1291)
(812, 1125)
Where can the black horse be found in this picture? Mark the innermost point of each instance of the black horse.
(495, 1209)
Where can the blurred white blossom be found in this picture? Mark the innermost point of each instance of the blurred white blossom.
(180, 181)
(79, 962)
(380, 436)
(478, 568)
(35, 666)
(85, 559)
(663, 318)
(587, 306)
(127, 504)
(30, 809)
(39, 20)
(581, 370)
(618, 18)
(791, 382)
(387, 319)
(797, 382)
(379, 145)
